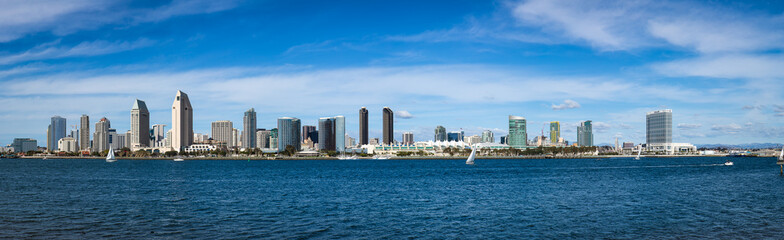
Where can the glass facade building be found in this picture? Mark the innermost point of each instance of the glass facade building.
(585, 134)
(389, 127)
(555, 131)
(440, 134)
(517, 132)
(249, 129)
(288, 133)
(363, 126)
(658, 126)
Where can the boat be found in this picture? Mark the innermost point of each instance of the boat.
(110, 156)
(179, 159)
(344, 157)
(728, 163)
(639, 151)
(781, 155)
(470, 160)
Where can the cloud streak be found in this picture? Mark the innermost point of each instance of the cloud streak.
(94, 48)
(567, 104)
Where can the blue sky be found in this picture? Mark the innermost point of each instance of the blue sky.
(460, 64)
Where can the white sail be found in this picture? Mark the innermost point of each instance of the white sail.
(638, 153)
(470, 160)
(110, 155)
(781, 156)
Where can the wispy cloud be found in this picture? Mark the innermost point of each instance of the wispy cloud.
(567, 104)
(54, 51)
(403, 114)
(689, 125)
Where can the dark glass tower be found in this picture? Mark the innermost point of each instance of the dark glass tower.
(363, 126)
(389, 128)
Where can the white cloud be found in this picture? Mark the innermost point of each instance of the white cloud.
(567, 104)
(731, 128)
(19, 18)
(689, 125)
(726, 66)
(94, 48)
(403, 114)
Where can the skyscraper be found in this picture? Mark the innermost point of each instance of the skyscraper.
(389, 128)
(222, 132)
(84, 132)
(363, 126)
(440, 135)
(326, 134)
(487, 136)
(555, 131)
(56, 131)
(235, 138)
(140, 125)
(263, 138)
(658, 126)
(340, 134)
(182, 122)
(306, 130)
(158, 135)
(101, 135)
(454, 136)
(585, 134)
(288, 133)
(249, 129)
(518, 136)
(408, 138)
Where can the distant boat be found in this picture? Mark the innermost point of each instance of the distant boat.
(728, 163)
(381, 157)
(781, 155)
(638, 154)
(344, 157)
(179, 159)
(110, 156)
(470, 160)
(44, 158)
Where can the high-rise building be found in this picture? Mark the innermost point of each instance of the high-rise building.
(306, 130)
(182, 122)
(23, 145)
(340, 134)
(454, 136)
(84, 132)
(503, 140)
(658, 126)
(374, 141)
(472, 139)
(222, 132)
(158, 135)
(314, 136)
(127, 136)
(101, 135)
(235, 138)
(116, 141)
(487, 136)
(249, 129)
(363, 126)
(140, 125)
(263, 138)
(389, 127)
(326, 134)
(585, 134)
(408, 138)
(440, 135)
(555, 131)
(288, 133)
(56, 131)
(350, 141)
(518, 135)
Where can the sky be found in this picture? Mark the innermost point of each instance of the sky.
(461, 64)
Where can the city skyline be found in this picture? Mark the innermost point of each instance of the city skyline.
(466, 67)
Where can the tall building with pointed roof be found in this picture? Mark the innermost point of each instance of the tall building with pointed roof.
(182, 122)
(140, 125)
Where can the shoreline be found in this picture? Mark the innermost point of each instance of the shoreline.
(256, 158)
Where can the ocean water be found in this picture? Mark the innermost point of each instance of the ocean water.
(660, 198)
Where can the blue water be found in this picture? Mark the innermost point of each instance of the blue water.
(685, 198)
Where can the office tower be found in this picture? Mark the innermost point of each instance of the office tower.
(408, 138)
(56, 131)
(658, 126)
(472, 139)
(374, 141)
(306, 130)
(555, 131)
(235, 138)
(389, 128)
(585, 134)
(440, 135)
(101, 135)
(487, 136)
(249, 129)
(182, 122)
(517, 132)
(273, 139)
(503, 140)
(454, 136)
(23, 145)
(84, 132)
(326, 134)
(363, 126)
(314, 136)
(288, 133)
(158, 135)
(140, 125)
(168, 138)
(222, 131)
(263, 138)
(340, 134)
(350, 142)
(127, 136)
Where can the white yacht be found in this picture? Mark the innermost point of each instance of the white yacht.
(110, 156)
(728, 163)
(178, 159)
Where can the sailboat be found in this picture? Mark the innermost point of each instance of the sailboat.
(639, 151)
(781, 156)
(110, 156)
(470, 160)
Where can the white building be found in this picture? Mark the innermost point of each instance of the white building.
(408, 138)
(200, 147)
(67, 144)
(472, 139)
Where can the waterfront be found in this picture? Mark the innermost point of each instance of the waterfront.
(536, 198)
